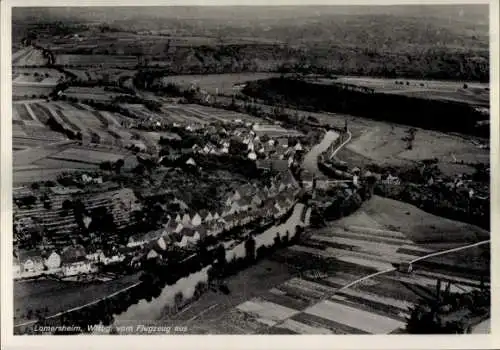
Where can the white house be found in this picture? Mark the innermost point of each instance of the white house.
(86, 221)
(186, 219)
(298, 147)
(178, 218)
(77, 266)
(98, 256)
(161, 243)
(53, 261)
(191, 161)
(152, 254)
(195, 238)
(183, 242)
(252, 156)
(256, 200)
(114, 259)
(179, 227)
(236, 196)
(355, 179)
(33, 264)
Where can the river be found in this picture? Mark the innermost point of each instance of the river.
(310, 163)
(157, 309)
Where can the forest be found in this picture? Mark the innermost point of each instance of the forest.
(430, 114)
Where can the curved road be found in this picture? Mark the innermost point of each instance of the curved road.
(443, 252)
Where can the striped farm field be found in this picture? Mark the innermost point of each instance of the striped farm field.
(53, 163)
(41, 112)
(27, 176)
(17, 131)
(355, 318)
(86, 156)
(102, 61)
(29, 57)
(266, 312)
(22, 111)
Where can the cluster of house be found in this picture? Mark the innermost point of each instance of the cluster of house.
(461, 184)
(71, 261)
(244, 205)
(257, 147)
(120, 203)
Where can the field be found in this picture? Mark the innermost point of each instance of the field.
(41, 152)
(48, 160)
(111, 75)
(204, 115)
(45, 76)
(275, 131)
(28, 56)
(86, 156)
(98, 127)
(32, 90)
(96, 61)
(475, 93)
(58, 296)
(216, 83)
(383, 144)
(95, 93)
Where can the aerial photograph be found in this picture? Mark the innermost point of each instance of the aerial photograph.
(251, 170)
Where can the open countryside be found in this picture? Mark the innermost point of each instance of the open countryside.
(231, 173)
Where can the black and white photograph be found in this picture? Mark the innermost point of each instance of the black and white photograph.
(250, 170)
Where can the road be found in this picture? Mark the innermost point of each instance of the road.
(349, 137)
(425, 257)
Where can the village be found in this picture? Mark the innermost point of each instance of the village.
(239, 181)
(44, 209)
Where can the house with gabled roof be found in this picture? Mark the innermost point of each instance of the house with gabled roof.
(152, 254)
(53, 261)
(161, 243)
(230, 221)
(74, 261)
(201, 230)
(196, 220)
(282, 187)
(208, 217)
(256, 200)
(236, 196)
(179, 227)
(31, 262)
(97, 256)
(243, 204)
(186, 219)
(183, 242)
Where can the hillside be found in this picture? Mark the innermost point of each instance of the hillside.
(428, 42)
